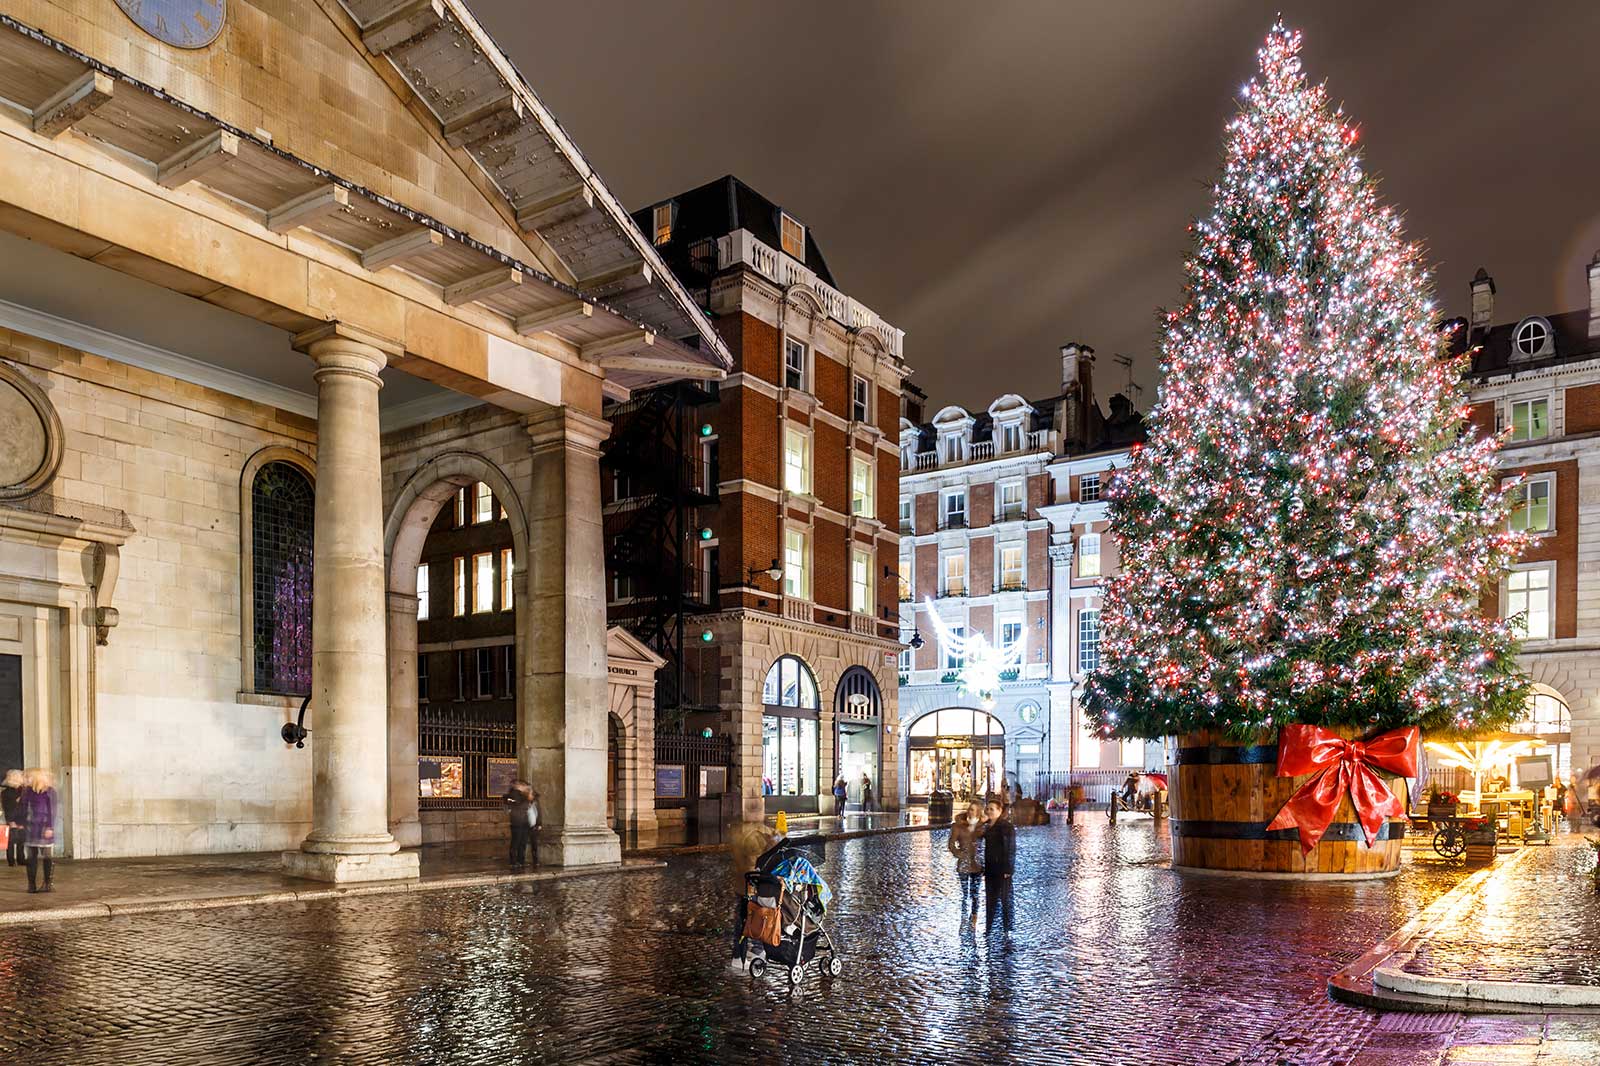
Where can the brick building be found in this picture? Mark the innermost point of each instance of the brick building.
(1538, 378)
(797, 640)
(1004, 537)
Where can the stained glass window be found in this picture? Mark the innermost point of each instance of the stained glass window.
(281, 519)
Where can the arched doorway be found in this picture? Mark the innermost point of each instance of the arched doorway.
(1548, 718)
(858, 733)
(456, 543)
(956, 749)
(790, 718)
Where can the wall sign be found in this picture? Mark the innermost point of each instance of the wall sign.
(180, 23)
(502, 773)
(669, 782)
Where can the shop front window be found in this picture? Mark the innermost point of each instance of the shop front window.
(957, 750)
(789, 729)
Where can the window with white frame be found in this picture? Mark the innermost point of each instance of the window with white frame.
(792, 235)
(461, 507)
(1088, 488)
(482, 582)
(1089, 555)
(1530, 419)
(1529, 601)
(1010, 500)
(1531, 504)
(485, 673)
(955, 509)
(661, 223)
(952, 657)
(905, 579)
(796, 459)
(905, 514)
(458, 594)
(482, 504)
(861, 487)
(422, 593)
(796, 563)
(1133, 753)
(1010, 635)
(860, 400)
(794, 364)
(861, 582)
(905, 661)
(1011, 437)
(1088, 753)
(955, 574)
(1088, 639)
(952, 448)
(507, 573)
(1532, 338)
(1010, 567)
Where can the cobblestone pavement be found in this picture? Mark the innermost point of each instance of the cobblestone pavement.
(1115, 960)
(1539, 922)
(1482, 1040)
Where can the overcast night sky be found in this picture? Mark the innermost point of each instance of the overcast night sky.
(998, 178)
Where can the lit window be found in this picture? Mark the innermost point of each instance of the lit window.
(955, 574)
(794, 364)
(1530, 419)
(861, 486)
(422, 593)
(461, 506)
(661, 223)
(1011, 501)
(905, 514)
(482, 504)
(796, 460)
(796, 564)
(1527, 602)
(793, 237)
(485, 673)
(507, 570)
(1133, 753)
(861, 400)
(1011, 568)
(482, 582)
(955, 509)
(861, 581)
(905, 660)
(1089, 488)
(952, 657)
(1010, 635)
(422, 678)
(1011, 438)
(459, 592)
(1088, 640)
(905, 580)
(1530, 506)
(1089, 555)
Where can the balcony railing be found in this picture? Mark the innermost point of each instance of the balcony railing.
(1013, 586)
(926, 460)
(1011, 514)
(797, 610)
(741, 247)
(955, 521)
(980, 451)
(1040, 440)
(862, 623)
(954, 588)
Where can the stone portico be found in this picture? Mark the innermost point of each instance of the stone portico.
(227, 269)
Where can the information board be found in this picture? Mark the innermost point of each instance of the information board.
(502, 772)
(439, 777)
(669, 782)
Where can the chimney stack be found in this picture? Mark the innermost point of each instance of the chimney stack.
(1077, 361)
(1482, 300)
(1594, 296)
(1077, 394)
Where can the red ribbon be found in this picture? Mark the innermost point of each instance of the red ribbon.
(1342, 765)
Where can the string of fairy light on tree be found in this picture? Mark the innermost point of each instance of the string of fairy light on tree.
(1307, 533)
(982, 664)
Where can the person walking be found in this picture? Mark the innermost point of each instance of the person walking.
(522, 810)
(841, 798)
(11, 801)
(866, 794)
(999, 863)
(39, 808)
(963, 844)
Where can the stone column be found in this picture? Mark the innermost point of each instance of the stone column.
(563, 653)
(1059, 755)
(349, 839)
(405, 822)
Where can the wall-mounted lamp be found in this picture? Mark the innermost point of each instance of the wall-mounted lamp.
(916, 640)
(773, 572)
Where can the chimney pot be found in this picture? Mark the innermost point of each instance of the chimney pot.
(1482, 300)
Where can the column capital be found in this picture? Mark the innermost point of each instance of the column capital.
(344, 331)
(565, 427)
(1060, 554)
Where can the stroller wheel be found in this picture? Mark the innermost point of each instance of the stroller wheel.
(758, 967)
(835, 966)
(795, 973)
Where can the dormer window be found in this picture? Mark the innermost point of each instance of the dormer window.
(952, 449)
(1011, 438)
(1533, 338)
(793, 237)
(661, 223)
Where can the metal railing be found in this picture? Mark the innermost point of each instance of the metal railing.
(692, 753)
(1098, 785)
(473, 735)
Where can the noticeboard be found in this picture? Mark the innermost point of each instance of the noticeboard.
(713, 780)
(670, 783)
(502, 773)
(439, 777)
(1533, 772)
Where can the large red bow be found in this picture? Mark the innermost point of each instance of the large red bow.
(1339, 765)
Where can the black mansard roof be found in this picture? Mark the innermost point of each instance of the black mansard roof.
(720, 207)
(1496, 349)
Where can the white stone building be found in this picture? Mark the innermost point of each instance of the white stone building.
(275, 281)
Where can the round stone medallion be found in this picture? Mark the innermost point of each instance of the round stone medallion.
(30, 436)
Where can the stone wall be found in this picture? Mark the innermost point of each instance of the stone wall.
(177, 759)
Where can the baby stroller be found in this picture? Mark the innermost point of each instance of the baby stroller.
(786, 901)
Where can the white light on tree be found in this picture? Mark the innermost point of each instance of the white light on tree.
(981, 662)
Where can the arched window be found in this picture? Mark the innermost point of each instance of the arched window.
(958, 750)
(789, 723)
(281, 507)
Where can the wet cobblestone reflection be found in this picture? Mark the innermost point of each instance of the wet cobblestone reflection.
(1115, 960)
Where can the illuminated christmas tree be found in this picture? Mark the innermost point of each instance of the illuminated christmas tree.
(1308, 532)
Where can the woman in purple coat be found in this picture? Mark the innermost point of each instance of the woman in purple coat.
(39, 815)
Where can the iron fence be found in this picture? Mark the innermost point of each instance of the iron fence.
(692, 753)
(1098, 785)
(459, 743)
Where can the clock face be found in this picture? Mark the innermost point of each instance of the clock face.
(181, 23)
(1028, 713)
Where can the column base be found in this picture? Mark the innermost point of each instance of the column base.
(593, 846)
(408, 834)
(340, 869)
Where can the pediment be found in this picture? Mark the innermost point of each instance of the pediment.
(623, 646)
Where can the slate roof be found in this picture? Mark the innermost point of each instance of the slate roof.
(719, 207)
(1496, 353)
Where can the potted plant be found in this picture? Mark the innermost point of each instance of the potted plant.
(1442, 804)
(1301, 563)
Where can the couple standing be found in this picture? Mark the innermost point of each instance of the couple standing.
(992, 832)
(522, 811)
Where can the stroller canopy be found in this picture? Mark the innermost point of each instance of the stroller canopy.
(797, 870)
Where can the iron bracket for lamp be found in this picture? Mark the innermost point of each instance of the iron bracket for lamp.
(296, 732)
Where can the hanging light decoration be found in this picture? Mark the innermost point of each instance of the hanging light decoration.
(981, 662)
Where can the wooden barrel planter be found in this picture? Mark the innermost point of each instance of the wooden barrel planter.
(1225, 792)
